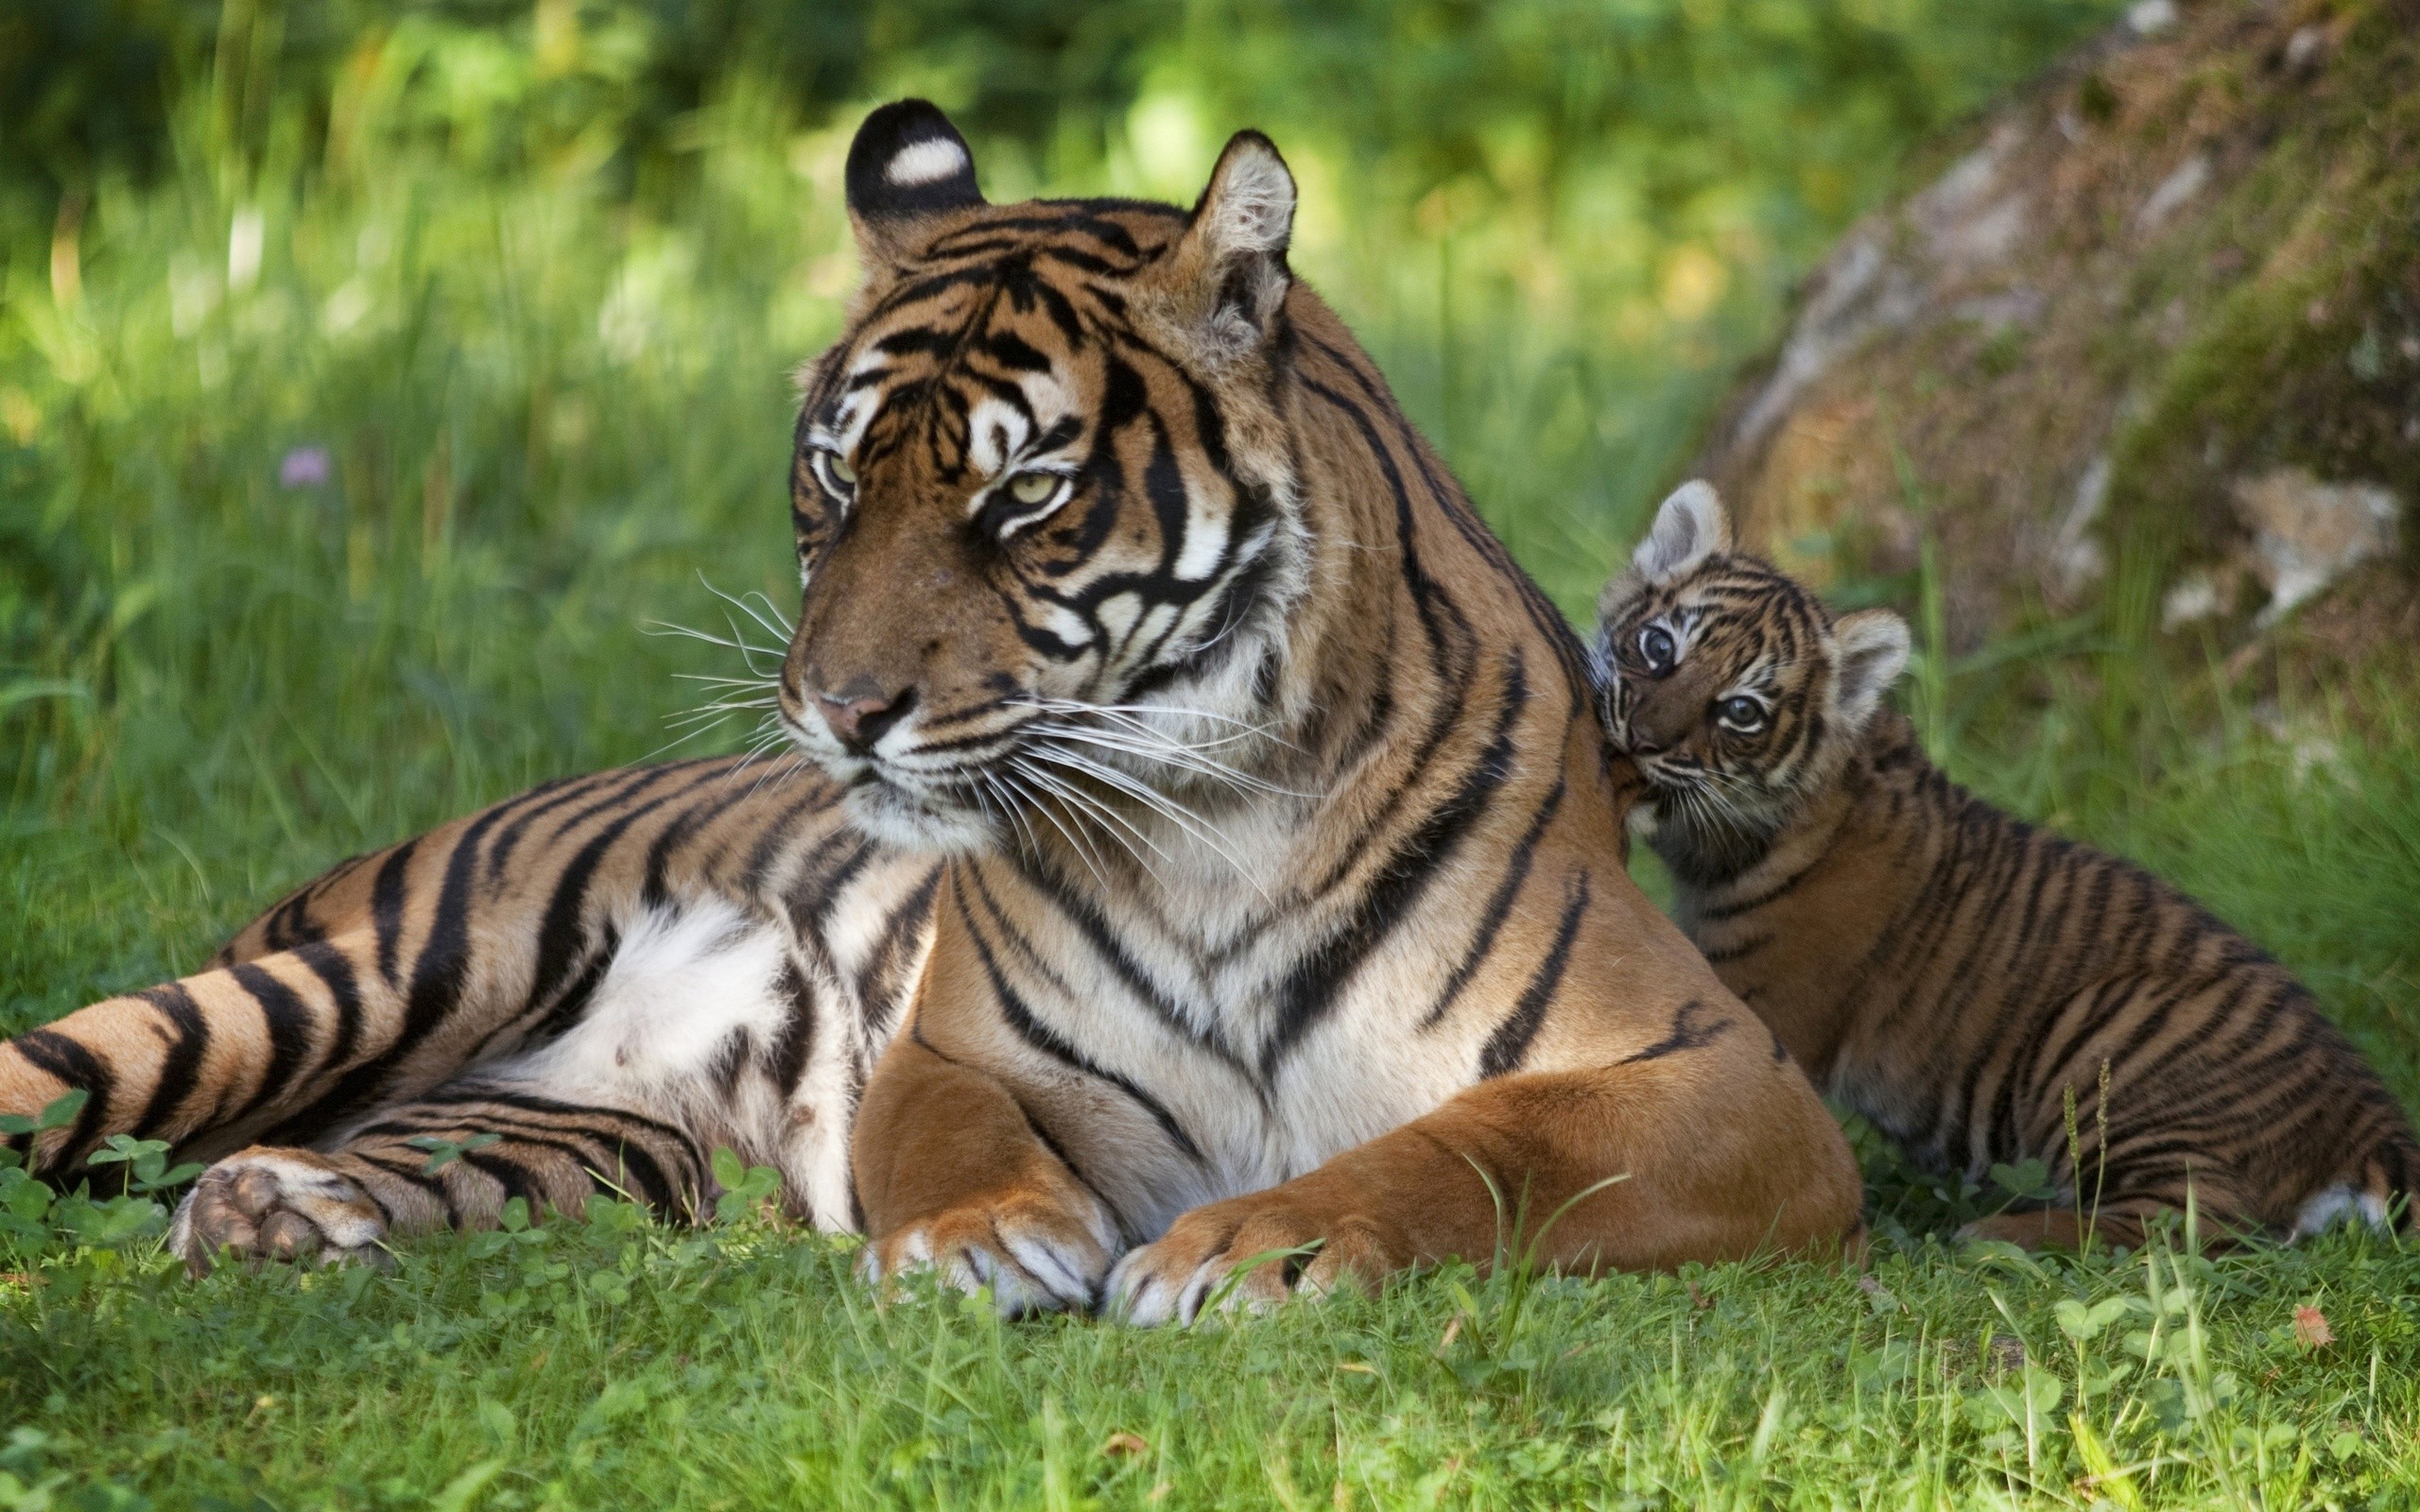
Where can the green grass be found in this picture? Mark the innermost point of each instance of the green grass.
(613, 1364)
(547, 408)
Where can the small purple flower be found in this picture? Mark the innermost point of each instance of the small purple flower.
(305, 466)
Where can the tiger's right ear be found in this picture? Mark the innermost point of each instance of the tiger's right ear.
(1689, 527)
(1227, 275)
(906, 165)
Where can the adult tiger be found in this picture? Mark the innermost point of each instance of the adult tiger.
(1282, 856)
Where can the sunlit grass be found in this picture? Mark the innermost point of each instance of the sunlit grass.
(612, 1363)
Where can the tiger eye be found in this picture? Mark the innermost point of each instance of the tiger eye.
(1032, 488)
(840, 467)
(1744, 715)
(1656, 644)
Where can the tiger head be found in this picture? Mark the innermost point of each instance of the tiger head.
(1732, 690)
(1043, 501)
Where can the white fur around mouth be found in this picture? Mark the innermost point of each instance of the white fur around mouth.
(896, 816)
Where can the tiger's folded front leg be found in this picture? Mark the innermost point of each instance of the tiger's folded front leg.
(1706, 1147)
(955, 1177)
(451, 1159)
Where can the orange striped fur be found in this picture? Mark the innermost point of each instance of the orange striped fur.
(1205, 845)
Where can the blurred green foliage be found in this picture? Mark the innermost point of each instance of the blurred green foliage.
(372, 374)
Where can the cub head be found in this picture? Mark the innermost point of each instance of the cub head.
(1734, 691)
(1046, 520)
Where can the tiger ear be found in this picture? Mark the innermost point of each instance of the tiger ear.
(1873, 645)
(1689, 527)
(906, 165)
(1229, 269)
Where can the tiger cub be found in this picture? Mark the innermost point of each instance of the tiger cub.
(1952, 973)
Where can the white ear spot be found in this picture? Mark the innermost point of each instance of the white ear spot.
(926, 161)
(1688, 528)
(1874, 647)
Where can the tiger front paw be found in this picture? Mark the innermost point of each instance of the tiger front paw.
(1038, 1250)
(1272, 1245)
(277, 1204)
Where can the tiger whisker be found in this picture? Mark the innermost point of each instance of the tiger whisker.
(749, 651)
(1180, 757)
(1151, 797)
(1001, 786)
(1102, 814)
(772, 621)
(1074, 706)
(1050, 787)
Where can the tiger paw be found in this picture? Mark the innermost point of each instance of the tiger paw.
(1252, 1252)
(1038, 1250)
(277, 1204)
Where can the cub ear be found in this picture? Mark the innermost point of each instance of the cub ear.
(1688, 528)
(907, 165)
(1873, 645)
(1229, 268)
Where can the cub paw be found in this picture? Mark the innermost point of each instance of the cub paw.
(277, 1204)
(1270, 1246)
(1038, 1251)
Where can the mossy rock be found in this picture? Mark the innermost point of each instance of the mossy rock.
(2157, 309)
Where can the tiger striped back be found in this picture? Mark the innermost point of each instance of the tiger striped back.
(1959, 977)
(1200, 843)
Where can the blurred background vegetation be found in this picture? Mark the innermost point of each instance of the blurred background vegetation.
(373, 375)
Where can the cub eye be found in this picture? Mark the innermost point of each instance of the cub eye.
(1741, 713)
(1033, 488)
(1657, 645)
(833, 470)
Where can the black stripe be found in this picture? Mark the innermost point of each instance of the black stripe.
(1090, 923)
(1739, 952)
(563, 934)
(1516, 872)
(527, 813)
(1510, 1044)
(1453, 502)
(65, 1060)
(878, 991)
(785, 1059)
(287, 1020)
(180, 1060)
(439, 971)
(387, 905)
(1043, 1038)
(1310, 990)
(334, 968)
(1718, 912)
(1688, 1034)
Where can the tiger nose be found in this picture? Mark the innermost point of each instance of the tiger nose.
(861, 712)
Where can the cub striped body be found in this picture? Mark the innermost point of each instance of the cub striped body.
(1956, 975)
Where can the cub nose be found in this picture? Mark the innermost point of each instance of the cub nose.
(859, 712)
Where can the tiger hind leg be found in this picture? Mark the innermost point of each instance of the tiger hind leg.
(452, 1159)
(254, 1049)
